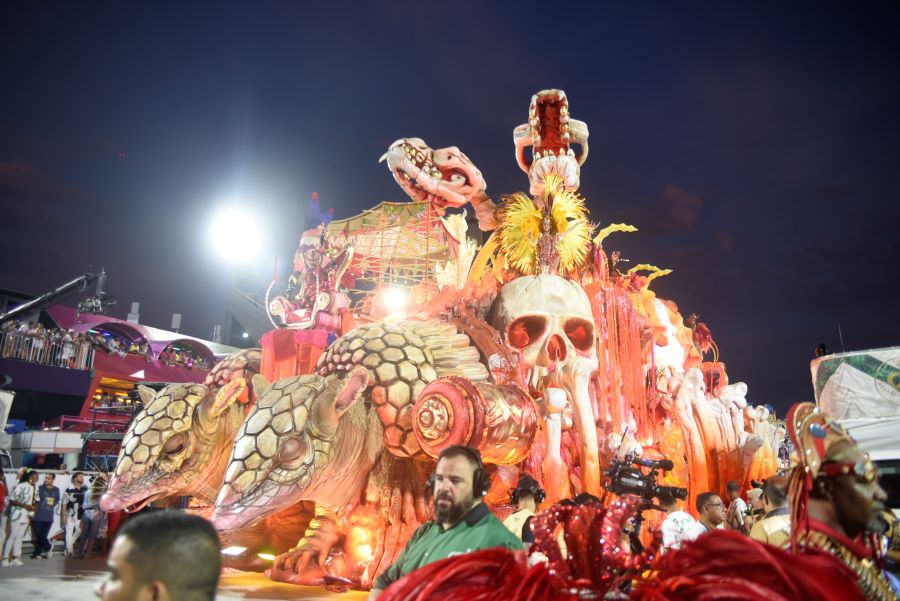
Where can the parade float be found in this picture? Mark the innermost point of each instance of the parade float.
(397, 335)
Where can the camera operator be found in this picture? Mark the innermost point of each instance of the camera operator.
(676, 524)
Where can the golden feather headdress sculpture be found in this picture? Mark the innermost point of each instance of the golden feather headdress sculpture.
(530, 245)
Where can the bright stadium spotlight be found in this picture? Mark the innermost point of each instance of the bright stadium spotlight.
(394, 298)
(234, 234)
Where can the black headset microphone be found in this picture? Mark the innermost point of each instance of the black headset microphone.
(538, 493)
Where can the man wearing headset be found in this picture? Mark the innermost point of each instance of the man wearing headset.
(462, 522)
(526, 496)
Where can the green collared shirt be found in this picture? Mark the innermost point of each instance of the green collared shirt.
(480, 529)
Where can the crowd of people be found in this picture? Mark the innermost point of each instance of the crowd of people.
(32, 506)
(818, 533)
(175, 357)
(764, 517)
(31, 341)
(164, 555)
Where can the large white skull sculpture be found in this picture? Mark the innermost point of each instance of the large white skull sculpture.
(548, 319)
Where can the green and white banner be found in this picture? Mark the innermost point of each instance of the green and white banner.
(858, 384)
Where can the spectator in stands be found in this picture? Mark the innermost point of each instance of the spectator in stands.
(166, 556)
(8, 333)
(114, 347)
(33, 342)
(68, 349)
(145, 351)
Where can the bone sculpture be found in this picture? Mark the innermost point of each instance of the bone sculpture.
(682, 408)
(556, 483)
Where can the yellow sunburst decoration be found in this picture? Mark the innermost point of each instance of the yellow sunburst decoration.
(520, 228)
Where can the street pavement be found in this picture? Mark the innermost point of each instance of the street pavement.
(62, 579)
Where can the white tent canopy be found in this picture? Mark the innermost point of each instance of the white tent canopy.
(876, 436)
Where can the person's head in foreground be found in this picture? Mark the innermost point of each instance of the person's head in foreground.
(835, 479)
(163, 556)
(459, 484)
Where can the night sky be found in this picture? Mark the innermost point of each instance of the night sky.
(754, 145)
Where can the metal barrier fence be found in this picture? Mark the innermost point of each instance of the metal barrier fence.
(41, 349)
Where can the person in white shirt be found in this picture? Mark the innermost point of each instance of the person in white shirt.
(712, 516)
(22, 507)
(736, 514)
(675, 525)
(72, 511)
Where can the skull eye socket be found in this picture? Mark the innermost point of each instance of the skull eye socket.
(292, 450)
(580, 333)
(526, 330)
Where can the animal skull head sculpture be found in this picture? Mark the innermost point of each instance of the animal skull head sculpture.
(444, 177)
(548, 319)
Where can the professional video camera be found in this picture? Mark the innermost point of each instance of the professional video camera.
(623, 478)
